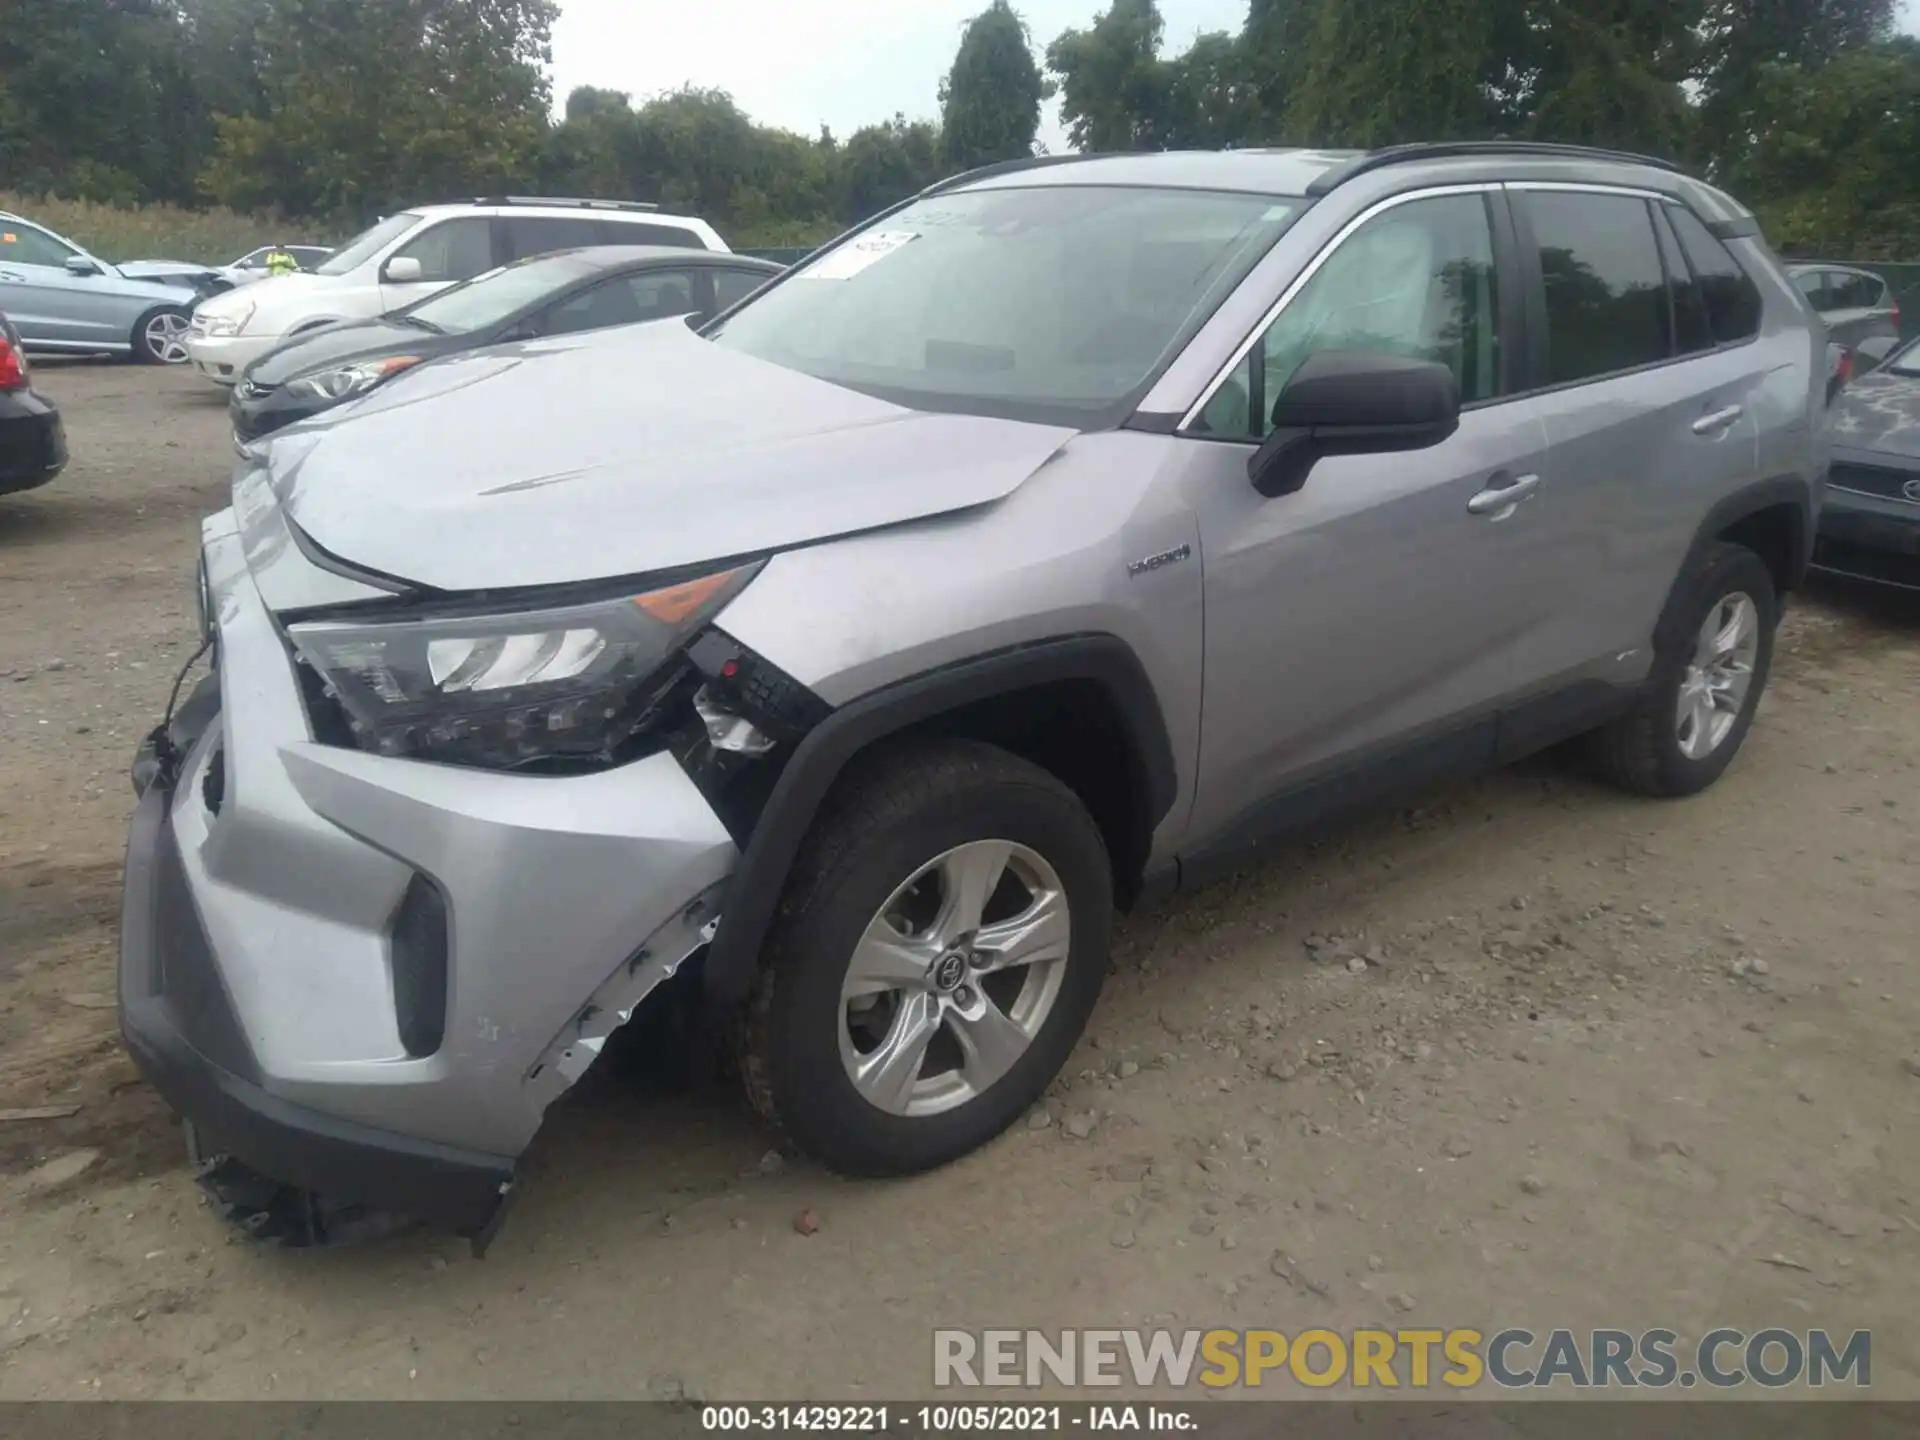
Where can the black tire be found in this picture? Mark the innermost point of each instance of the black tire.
(1641, 750)
(143, 352)
(898, 811)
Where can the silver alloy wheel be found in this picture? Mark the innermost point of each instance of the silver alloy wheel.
(954, 978)
(1713, 691)
(165, 337)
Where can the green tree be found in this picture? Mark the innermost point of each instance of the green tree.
(1272, 45)
(881, 165)
(990, 100)
(1741, 42)
(98, 100)
(1213, 99)
(1606, 72)
(1830, 160)
(1114, 88)
(1392, 71)
(365, 107)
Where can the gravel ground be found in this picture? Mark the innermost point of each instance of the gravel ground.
(1530, 1054)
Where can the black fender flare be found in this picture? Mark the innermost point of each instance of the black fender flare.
(1729, 511)
(753, 893)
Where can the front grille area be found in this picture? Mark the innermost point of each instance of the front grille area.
(1888, 484)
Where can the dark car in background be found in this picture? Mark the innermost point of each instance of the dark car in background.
(1870, 527)
(555, 294)
(1856, 305)
(33, 446)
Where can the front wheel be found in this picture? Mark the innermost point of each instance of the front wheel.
(939, 947)
(1699, 701)
(161, 337)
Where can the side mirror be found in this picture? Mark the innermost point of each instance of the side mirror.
(1353, 403)
(403, 270)
(1871, 354)
(82, 265)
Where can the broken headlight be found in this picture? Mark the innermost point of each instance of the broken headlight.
(565, 686)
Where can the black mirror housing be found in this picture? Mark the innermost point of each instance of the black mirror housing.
(1353, 403)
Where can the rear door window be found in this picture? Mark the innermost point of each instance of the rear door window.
(642, 232)
(529, 235)
(1606, 292)
(1859, 292)
(1733, 300)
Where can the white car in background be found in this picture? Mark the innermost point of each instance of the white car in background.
(414, 254)
(252, 266)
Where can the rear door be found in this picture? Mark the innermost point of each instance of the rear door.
(530, 235)
(1649, 421)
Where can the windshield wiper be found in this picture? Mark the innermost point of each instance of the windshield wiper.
(417, 323)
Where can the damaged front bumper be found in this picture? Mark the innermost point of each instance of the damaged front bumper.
(362, 980)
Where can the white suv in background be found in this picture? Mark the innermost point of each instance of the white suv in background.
(411, 255)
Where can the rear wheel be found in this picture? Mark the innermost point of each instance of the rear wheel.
(1699, 701)
(939, 948)
(161, 337)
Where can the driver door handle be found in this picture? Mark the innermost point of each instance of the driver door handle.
(1500, 500)
(1718, 420)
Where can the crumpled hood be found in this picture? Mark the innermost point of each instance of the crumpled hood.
(1879, 412)
(619, 453)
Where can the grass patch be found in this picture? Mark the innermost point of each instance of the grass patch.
(159, 232)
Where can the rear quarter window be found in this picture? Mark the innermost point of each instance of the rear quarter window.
(641, 232)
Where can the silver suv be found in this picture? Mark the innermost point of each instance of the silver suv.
(1053, 540)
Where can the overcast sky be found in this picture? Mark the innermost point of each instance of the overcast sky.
(843, 63)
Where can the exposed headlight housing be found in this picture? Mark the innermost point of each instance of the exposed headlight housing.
(343, 382)
(231, 323)
(561, 687)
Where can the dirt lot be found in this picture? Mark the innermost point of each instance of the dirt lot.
(1612, 1063)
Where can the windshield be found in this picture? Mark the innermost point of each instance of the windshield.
(490, 298)
(368, 243)
(1905, 360)
(1057, 302)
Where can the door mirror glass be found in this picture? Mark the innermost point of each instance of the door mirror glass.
(403, 270)
(82, 265)
(1353, 403)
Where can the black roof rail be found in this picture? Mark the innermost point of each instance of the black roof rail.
(1005, 167)
(559, 201)
(1456, 149)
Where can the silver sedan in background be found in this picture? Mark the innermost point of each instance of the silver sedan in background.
(64, 300)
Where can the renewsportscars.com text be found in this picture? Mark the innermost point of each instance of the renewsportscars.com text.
(1413, 1359)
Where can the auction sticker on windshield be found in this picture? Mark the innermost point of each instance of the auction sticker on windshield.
(850, 259)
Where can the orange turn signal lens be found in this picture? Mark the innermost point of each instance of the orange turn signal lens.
(673, 605)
